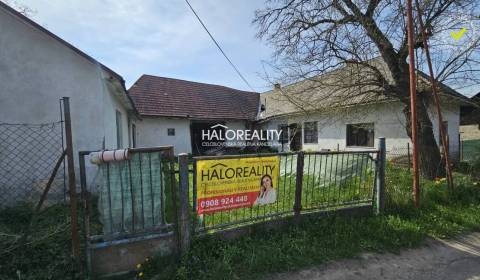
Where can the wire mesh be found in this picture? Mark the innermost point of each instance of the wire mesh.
(28, 154)
(330, 180)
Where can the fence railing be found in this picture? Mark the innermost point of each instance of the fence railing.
(132, 195)
(307, 182)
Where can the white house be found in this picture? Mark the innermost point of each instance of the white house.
(327, 113)
(174, 112)
(37, 68)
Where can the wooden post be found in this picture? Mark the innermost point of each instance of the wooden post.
(184, 212)
(413, 104)
(297, 208)
(380, 192)
(71, 179)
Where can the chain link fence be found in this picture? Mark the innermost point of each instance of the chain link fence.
(28, 154)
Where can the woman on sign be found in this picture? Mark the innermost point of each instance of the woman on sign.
(267, 194)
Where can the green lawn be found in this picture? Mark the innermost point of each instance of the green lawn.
(313, 242)
(317, 241)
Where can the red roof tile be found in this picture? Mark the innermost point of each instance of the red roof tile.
(159, 96)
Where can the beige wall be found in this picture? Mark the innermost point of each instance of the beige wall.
(470, 132)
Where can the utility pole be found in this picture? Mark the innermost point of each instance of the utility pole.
(413, 103)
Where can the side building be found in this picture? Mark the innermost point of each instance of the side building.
(175, 112)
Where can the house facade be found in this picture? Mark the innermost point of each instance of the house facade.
(176, 112)
(333, 116)
(356, 127)
(37, 68)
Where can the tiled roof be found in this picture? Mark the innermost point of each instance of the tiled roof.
(159, 96)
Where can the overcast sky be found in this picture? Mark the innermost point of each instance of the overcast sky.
(161, 37)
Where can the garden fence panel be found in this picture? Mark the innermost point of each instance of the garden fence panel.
(28, 154)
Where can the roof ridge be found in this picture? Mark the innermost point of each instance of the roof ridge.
(193, 82)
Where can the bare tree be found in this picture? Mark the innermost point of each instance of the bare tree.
(315, 38)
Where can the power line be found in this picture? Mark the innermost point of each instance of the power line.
(220, 48)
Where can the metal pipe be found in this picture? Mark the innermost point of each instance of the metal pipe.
(71, 180)
(433, 82)
(413, 103)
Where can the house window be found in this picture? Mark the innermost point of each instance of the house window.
(445, 128)
(310, 133)
(118, 120)
(284, 135)
(361, 134)
(134, 135)
(171, 132)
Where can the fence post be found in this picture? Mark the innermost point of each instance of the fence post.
(297, 208)
(380, 192)
(71, 179)
(184, 215)
(408, 153)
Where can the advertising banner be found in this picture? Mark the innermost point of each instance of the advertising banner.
(225, 184)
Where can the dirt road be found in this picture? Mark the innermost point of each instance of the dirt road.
(438, 259)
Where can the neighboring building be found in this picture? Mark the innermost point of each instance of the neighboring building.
(470, 119)
(325, 113)
(174, 112)
(37, 68)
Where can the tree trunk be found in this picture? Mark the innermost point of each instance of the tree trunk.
(431, 164)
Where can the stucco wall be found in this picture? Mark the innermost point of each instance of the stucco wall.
(388, 119)
(470, 132)
(37, 70)
(152, 131)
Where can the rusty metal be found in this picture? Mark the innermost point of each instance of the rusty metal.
(71, 180)
(433, 83)
(413, 103)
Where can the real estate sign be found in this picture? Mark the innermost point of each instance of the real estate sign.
(225, 184)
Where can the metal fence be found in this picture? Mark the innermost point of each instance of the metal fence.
(28, 155)
(133, 196)
(469, 149)
(308, 182)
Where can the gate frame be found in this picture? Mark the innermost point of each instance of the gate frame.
(167, 231)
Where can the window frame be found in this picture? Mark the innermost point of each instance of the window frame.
(171, 129)
(348, 138)
(311, 135)
(134, 135)
(284, 135)
(119, 127)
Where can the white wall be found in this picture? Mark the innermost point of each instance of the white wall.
(152, 132)
(37, 70)
(389, 122)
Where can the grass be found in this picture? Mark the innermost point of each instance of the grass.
(313, 242)
(316, 241)
(46, 254)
